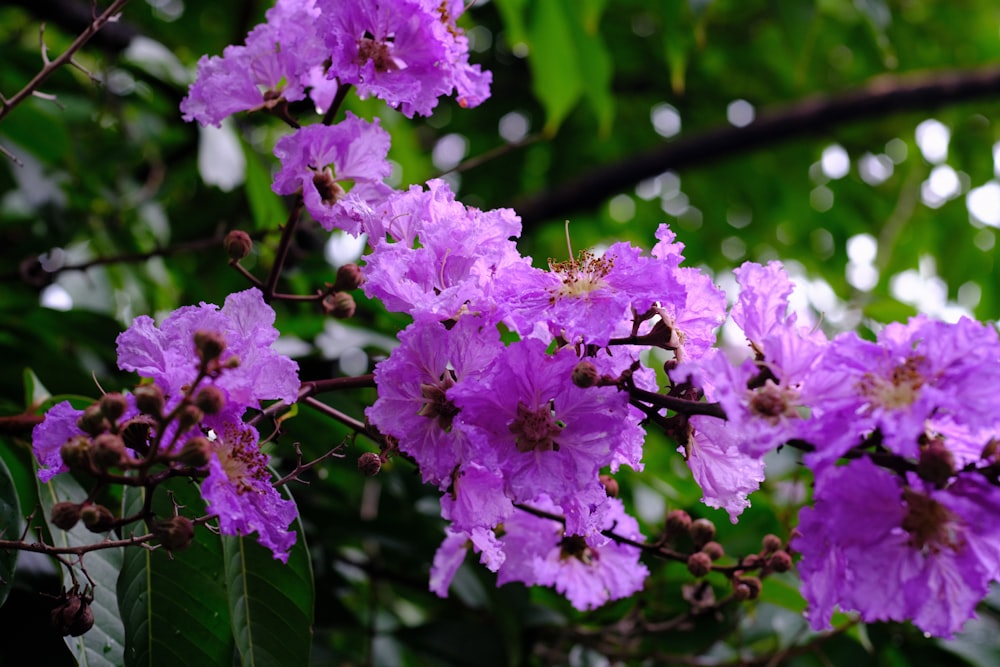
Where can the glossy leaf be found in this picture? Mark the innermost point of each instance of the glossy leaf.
(10, 524)
(174, 605)
(104, 643)
(270, 602)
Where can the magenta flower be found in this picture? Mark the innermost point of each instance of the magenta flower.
(274, 64)
(589, 570)
(48, 438)
(895, 550)
(318, 159)
(406, 52)
(166, 353)
(238, 489)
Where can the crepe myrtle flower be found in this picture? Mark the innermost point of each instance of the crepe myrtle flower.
(590, 570)
(405, 52)
(543, 431)
(894, 548)
(238, 488)
(252, 372)
(275, 65)
(319, 159)
(48, 437)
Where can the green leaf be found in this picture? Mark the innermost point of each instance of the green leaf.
(557, 80)
(266, 207)
(10, 521)
(104, 643)
(783, 591)
(174, 605)
(34, 391)
(512, 12)
(270, 602)
(595, 63)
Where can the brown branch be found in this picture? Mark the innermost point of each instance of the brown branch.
(74, 16)
(883, 95)
(96, 24)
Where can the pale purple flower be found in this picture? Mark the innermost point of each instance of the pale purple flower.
(451, 554)
(895, 550)
(48, 438)
(166, 353)
(589, 570)
(414, 402)
(274, 64)
(319, 159)
(406, 52)
(239, 491)
(725, 474)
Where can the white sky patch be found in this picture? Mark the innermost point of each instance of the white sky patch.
(862, 248)
(932, 139)
(342, 248)
(221, 161)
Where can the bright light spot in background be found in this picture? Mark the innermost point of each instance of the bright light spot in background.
(861, 252)
(666, 120)
(835, 161)
(996, 158)
(449, 151)
(480, 38)
(56, 297)
(520, 50)
(928, 293)
(969, 295)
(514, 126)
(739, 216)
(942, 184)
(621, 208)
(875, 169)
(821, 198)
(675, 205)
(221, 161)
(734, 248)
(985, 240)
(896, 150)
(342, 248)
(862, 248)
(932, 138)
(666, 185)
(984, 203)
(740, 113)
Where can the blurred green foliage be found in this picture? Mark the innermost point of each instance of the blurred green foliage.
(110, 171)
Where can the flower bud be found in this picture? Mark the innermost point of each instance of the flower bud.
(714, 550)
(75, 453)
(699, 564)
(73, 615)
(238, 245)
(780, 561)
(93, 421)
(678, 524)
(370, 464)
(196, 452)
(113, 406)
(135, 433)
(339, 305)
(210, 400)
(702, 532)
(610, 485)
(65, 515)
(188, 416)
(97, 518)
(348, 278)
(175, 533)
(936, 464)
(752, 584)
(108, 450)
(149, 400)
(329, 189)
(771, 543)
(209, 345)
(585, 374)
(741, 591)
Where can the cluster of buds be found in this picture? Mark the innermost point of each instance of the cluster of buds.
(72, 616)
(336, 299)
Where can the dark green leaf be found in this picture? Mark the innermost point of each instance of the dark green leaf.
(270, 602)
(174, 605)
(265, 206)
(104, 643)
(10, 529)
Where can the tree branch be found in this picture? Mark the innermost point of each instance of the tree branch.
(880, 96)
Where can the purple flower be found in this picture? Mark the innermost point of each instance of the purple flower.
(725, 474)
(414, 385)
(898, 550)
(48, 438)
(275, 64)
(238, 489)
(406, 52)
(589, 570)
(451, 554)
(166, 353)
(317, 159)
(543, 431)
